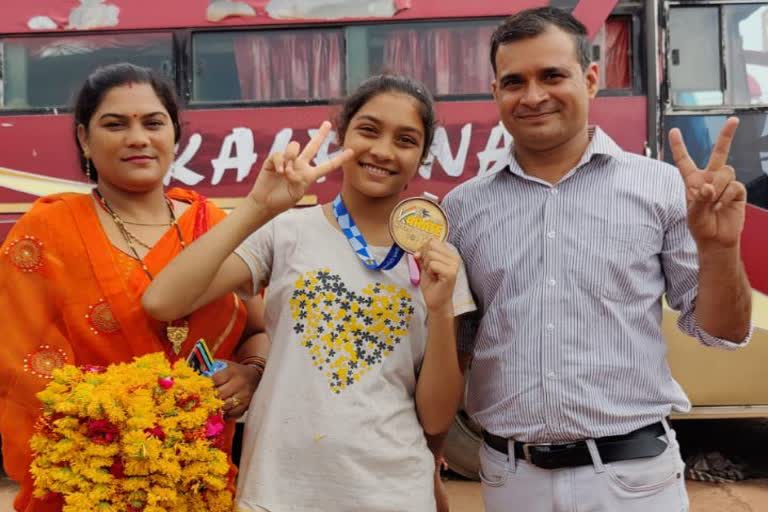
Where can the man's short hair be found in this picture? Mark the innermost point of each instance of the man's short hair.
(534, 22)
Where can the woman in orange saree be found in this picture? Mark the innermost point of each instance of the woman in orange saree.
(70, 290)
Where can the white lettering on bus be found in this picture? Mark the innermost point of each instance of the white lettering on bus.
(441, 147)
(495, 154)
(237, 152)
(179, 169)
(281, 141)
(241, 140)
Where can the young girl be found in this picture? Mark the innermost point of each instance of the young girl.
(363, 362)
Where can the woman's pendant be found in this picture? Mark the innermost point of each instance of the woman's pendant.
(177, 335)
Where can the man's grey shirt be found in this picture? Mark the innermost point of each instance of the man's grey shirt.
(568, 280)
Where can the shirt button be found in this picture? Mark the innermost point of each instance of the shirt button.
(551, 375)
(551, 282)
(554, 191)
(550, 327)
(550, 234)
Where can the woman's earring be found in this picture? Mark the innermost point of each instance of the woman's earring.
(88, 170)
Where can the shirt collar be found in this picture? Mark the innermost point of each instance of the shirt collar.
(599, 144)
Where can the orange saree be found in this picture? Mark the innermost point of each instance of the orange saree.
(68, 296)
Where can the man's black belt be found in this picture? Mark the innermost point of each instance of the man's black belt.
(641, 443)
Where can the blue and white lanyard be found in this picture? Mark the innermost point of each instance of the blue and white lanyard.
(357, 241)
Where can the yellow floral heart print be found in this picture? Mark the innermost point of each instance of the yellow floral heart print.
(348, 332)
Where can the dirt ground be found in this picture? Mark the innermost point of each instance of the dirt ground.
(750, 496)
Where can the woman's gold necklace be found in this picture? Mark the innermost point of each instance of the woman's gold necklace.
(176, 334)
(152, 224)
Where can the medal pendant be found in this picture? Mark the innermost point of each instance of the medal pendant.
(177, 335)
(416, 220)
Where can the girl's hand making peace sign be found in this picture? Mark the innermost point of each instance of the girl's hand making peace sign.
(285, 177)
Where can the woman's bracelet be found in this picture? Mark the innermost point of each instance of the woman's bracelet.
(257, 361)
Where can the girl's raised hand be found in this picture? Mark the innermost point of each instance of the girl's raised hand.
(285, 177)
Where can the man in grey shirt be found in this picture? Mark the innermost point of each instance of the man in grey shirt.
(569, 251)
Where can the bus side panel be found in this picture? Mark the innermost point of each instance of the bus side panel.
(222, 150)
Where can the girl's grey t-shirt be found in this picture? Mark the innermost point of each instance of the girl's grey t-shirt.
(333, 424)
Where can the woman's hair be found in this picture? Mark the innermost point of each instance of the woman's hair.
(105, 78)
(384, 83)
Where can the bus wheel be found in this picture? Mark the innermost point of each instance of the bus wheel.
(462, 446)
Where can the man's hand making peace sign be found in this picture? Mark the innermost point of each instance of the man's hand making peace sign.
(716, 201)
(716, 207)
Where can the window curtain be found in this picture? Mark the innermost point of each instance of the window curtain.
(448, 60)
(289, 66)
(615, 68)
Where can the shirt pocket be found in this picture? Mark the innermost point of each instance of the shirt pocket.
(619, 262)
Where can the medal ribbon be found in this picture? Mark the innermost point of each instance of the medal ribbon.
(357, 241)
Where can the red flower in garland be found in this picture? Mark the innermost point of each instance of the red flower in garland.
(117, 468)
(193, 435)
(156, 431)
(214, 426)
(101, 431)
(188, 402)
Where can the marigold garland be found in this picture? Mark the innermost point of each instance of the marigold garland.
(138, 437)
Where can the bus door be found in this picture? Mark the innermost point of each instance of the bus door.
(716, 66)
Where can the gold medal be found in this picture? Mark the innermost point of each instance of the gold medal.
(415, 220)
(177, 335)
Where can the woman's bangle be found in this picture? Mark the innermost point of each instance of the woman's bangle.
(254, 361)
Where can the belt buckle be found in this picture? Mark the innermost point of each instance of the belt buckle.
(527, 450)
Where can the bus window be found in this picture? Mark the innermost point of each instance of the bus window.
(612, 51)
(267, 66)
(31, 65)
(746, 62)
(697, 62)
(451, 58)
(694, 57)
